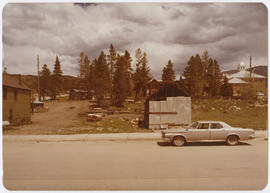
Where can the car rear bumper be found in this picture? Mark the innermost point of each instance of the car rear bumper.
(252, 136)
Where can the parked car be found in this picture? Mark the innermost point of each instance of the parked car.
(207, 130)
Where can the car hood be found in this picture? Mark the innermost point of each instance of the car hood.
(241, 129)
(175, 130)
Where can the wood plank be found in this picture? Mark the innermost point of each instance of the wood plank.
(163, 113)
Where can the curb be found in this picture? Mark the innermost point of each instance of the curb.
(83, 137)
(96, 137)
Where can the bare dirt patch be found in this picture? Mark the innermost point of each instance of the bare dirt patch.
(70, 117)
(61, 117)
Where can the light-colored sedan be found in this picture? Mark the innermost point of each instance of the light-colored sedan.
(207, 130)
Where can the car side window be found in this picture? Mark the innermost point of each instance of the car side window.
(203, 126)
(216, 126)
(194, 125)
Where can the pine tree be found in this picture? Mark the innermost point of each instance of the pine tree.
(168, 74)
(45, 81)
(145, 74)
(128, 71)
(226, 89)
(5, 70)
(81, 66)
(214, 77)
(209, 77)
(142, 76)
(57, 78)
(137, 74)
(121, 86)
(217, 79)
(181, 86)
(102, 85)
(205, 64)
(86, 80)
(194, 75)
(91, 76)
(112, 57)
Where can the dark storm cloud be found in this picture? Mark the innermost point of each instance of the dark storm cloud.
(231, 32)
(85, 5)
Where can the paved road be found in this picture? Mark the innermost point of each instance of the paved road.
(134, 165)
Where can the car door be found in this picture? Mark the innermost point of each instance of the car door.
(217, 131)
(201, 132)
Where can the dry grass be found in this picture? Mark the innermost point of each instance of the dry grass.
(235, 113)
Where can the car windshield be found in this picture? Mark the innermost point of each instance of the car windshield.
(193, 125)
(226, 125)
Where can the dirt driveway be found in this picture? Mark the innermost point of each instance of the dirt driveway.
(61, 115)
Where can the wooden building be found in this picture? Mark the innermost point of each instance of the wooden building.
(167, 106)
(76, 94)
(16, 100)
(242, 77)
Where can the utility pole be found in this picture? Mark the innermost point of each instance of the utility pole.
(39, 96)
(250, 70)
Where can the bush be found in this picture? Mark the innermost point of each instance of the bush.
(248, 93)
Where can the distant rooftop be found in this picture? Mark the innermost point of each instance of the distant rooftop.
(244, 74)
(14, 81)
(236, 81)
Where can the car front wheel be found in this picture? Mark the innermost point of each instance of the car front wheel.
(178, 141)
(232, 140)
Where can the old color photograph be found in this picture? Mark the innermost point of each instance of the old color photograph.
(135, 96)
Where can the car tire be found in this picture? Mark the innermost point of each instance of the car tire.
(179, 141)
(232, 140)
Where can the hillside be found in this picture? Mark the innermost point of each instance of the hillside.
(69, 82)
(261, 70)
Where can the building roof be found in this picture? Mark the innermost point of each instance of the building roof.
(244, 74)
(14, 81)
(236, 81)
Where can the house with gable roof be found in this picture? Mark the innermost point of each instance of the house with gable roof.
(16, 100)
(242, 77)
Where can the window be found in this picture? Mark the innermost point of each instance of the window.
(204, 126)
(194, 125)
(216, 126)
(5, 92)
(15, 94)
(10, 116)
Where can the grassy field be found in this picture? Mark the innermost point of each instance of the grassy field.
(70, 117)
(236, 113)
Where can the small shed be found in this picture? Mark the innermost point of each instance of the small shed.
(37, 106)
(76, 94)
(167, 107)
(260, 95)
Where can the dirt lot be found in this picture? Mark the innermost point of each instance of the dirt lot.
(61, 115)
(63, 118)
(134, 165)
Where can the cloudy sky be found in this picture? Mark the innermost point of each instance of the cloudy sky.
(230, 32)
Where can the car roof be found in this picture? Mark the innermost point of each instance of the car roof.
(209, 121)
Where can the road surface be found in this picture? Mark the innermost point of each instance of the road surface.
(134, 165)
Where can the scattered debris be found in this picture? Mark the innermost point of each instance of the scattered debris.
(130, 100)
(94, 117)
